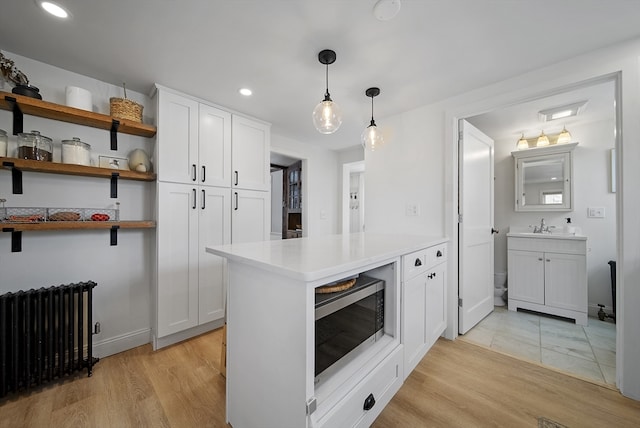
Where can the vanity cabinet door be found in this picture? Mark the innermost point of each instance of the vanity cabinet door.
(526, 276)
(565, 279)
(414, 321)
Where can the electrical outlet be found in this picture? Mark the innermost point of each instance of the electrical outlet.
(595, 212)
(412, 210)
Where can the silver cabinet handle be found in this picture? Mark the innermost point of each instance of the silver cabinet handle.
(193, 172)
(203, 198)
(204, 173)
(236, 208)
(194, 199)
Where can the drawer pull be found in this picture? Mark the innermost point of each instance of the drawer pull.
(439, 253)
(369, 402)
(418, 262)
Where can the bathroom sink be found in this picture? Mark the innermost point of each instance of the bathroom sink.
(547, 235)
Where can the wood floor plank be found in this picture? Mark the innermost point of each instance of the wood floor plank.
(457, 384)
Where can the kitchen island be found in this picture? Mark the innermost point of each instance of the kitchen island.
(270, 328)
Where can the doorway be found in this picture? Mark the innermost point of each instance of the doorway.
(353, 197)
(287, 196)
(597, 131)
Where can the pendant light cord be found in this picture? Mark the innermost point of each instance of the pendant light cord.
(373, 123)
(327, 97)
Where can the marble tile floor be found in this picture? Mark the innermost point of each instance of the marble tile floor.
(585, 351)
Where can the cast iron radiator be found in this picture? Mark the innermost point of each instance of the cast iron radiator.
(45, 334)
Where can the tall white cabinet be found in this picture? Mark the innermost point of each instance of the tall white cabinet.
(213, 172)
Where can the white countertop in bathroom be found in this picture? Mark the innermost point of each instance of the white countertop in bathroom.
(525, 232)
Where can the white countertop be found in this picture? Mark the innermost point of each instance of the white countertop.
(552, 235)
(309, 259)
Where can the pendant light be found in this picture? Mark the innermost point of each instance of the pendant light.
(543, 140)
(564, 137)
(522, 143)
(327, 116)
(371, 136)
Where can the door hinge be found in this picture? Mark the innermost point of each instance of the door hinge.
(460, 303)
(459, 218)
(311, 405)
(460, 135)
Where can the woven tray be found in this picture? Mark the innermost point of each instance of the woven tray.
(332, 288)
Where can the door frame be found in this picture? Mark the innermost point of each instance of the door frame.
(305, 183)
(494, 102)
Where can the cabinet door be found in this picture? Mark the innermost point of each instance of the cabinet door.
(250, 154)
(565, 281)
(414, 334)
(214, 146)
(251, 216)
(177, 138)
(436, 309)
(526, 276)
(177, 240)
(214, 228)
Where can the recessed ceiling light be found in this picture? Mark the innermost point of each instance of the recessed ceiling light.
(385, 10)
(245, 91)
(54, 9)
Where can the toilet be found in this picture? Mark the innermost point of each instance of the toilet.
(499, 288)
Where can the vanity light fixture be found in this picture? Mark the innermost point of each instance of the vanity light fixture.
(54, 9)
(522, 143)
(371, 136)
(543, 140)
(560, 112)
(564, 137)
(327, 116)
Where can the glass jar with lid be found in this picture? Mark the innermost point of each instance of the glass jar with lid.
(3, 143)
(32, 145)
(76, 152)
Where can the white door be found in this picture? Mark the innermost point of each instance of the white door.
(177, 138)
(177, 235)
(214, 228)
(250, 216)
(475, 204)
(250, 154)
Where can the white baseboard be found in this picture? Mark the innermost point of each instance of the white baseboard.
(114, 345)
(161, 342)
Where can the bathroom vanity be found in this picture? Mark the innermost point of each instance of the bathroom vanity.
(271, 326)
(547, 272)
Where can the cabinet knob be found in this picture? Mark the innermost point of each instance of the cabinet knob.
(418, 262)
(539, 258)
(369, 402)
(494, 230)
(439, 253)
(548, 260)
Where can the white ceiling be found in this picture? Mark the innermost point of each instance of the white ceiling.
(431, 50)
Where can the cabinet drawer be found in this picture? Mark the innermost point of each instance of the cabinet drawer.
(382, 383)
(421, 261)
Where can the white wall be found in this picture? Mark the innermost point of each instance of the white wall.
(591, 180)
(419, 163)
(122, 297)
(320, 197)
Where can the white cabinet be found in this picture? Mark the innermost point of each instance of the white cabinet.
(548, 275)
(213, 189)
(194, 144)
(250, 154)
(251, 214)
(190, 288)
(424, 303)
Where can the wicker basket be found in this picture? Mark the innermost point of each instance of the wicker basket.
(122, 108)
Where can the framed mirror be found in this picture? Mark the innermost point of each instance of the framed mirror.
(544, 178)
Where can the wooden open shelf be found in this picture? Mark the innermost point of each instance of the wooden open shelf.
(83, 225)
(35, 107)
(71, 169)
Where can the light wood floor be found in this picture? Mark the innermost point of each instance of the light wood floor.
(456, 385)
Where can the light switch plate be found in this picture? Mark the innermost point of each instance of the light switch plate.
(595, 212)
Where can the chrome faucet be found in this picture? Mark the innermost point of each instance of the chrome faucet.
(540, 229)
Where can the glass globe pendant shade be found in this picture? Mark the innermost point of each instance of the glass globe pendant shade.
(564, 137)
(522, 143)
(372, 137)
(543, 140)
(327, 117)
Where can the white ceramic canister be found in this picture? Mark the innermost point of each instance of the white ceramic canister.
(76, 152)
(79, 98)
(3, 143)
